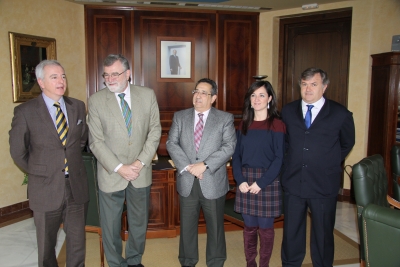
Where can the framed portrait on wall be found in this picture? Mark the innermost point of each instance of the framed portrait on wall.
(175, 59)
(26, 52)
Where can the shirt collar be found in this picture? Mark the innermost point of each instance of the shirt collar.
(317, 104)
(127, 92)
(50, 102)
(205, 112)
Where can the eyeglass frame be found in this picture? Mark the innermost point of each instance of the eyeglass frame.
(203, 93)
(113, 75)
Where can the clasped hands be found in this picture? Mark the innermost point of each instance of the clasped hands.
(130, 172)
(254, 188)
(197, 169)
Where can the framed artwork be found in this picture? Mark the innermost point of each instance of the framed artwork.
(175, 59)
(26, 52)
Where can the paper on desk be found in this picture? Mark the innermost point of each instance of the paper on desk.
(172, 163)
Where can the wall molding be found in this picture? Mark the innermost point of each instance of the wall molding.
(15, 213)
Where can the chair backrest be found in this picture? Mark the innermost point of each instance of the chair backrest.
(395, 163)
(93, 213)
(370, 186)
(370, 182)
(381, 232)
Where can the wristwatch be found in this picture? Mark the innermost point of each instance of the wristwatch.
(205, 164)
(141, 162)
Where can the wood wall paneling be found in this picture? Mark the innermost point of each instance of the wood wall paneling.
(238, 59)
(226, 45)
(383, 113)
(172, 96)
(321, 41)
(107, 32)
(225, 50)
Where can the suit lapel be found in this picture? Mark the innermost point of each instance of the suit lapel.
(135, 109)
(114, 107)
(300, 114)
(188, 130)
(44, 115)
(72, 116)
(211, 121)
(322, 113)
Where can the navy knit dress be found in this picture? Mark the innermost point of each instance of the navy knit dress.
(258, 158)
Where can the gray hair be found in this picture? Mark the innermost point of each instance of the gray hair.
(112, 58)
(310, 72)
(39, 71)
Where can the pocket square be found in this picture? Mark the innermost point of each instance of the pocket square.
(79, 122)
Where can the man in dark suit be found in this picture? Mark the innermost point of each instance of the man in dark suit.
(200, 157)
(47, 136)
(174, 63)
(320, 134)
(124, 133)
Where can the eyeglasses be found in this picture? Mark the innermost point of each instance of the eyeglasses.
(203, 93)
(112, 75)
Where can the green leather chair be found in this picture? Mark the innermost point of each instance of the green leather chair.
(381, 233)
(93, 214)
(370, 187)
(395, 162)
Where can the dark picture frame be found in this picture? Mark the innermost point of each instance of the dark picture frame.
(26, 52)
(175, 59)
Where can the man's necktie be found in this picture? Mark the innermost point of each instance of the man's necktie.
(198, 131)
(307, 118)
(62, 128)
(126, 112)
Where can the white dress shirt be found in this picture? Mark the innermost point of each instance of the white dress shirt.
(315, 110)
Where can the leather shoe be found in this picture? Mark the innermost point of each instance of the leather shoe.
(186, 266)
(136, 265)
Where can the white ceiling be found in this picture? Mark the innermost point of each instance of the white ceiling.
(238, 5)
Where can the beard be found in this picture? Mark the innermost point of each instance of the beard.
(116, 87)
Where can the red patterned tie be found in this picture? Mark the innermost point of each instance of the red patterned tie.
(198, 132)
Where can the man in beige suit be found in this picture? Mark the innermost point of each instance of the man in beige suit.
(124, 133)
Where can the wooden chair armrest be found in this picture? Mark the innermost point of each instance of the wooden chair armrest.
(393, 202)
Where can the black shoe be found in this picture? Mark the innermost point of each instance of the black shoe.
(136, 265)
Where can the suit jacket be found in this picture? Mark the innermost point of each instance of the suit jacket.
(36, 148)
(312, 165)
(174, 64)
(109, 139)
(216, 148)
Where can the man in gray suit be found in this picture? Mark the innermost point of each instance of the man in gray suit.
(47, 136)
(124, 132)
(200, 142)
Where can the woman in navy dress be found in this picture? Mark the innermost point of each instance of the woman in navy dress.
(256, 165)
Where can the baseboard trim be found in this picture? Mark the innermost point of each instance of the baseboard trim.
(15, 213)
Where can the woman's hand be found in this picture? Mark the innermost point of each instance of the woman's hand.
(254, 188)
(244, 187)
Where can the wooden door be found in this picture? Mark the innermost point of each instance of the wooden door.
(322, 41)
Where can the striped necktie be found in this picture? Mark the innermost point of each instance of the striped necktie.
(126, 112)
(198, 131)
(62, 128)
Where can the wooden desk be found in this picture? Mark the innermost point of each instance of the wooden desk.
(164, 204)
